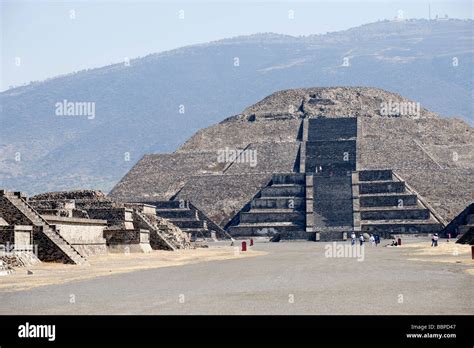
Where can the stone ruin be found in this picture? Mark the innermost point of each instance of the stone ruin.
(461, 226)
(69, 226)
(312, 164)
(316, 164)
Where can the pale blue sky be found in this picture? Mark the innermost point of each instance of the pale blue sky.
(49, 43)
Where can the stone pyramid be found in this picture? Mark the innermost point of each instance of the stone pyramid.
(318, 163)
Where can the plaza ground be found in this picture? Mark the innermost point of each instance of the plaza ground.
(273, 278)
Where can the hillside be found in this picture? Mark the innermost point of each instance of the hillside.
(137, 106)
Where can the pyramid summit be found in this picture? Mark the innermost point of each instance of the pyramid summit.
(317, 163)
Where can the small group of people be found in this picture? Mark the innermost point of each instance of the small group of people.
(374, 239)
(434, 240)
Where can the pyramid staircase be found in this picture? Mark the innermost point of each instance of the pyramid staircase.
(387, 205)
(188, 218)
(332, 197)
(278, 208)
(47, 230)
(462, 225)
(163, 235)
(158, 239)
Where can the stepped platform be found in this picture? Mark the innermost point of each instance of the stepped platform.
(278, 203)
(389, 213)
(386, 228)
(15, 210)
(277, 209)
(189, 219)
(283, 190)
(393, 199)
(462, 224)
(276, 215)
(388, 207)
(287, 230)
(381, 186)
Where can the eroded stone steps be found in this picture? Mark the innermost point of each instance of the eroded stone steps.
(163, 239)
(279, 209)
(196, 233)
(288, 178)
(335, 128)
(387, 206)
(381, 186)
(177, 213)
(273, 215)
(389, 213)
(189, 223)
(461, 224)
(185, 215)
(285, 190)
(376, 175)
(65, 247)
(391, 199)
(400, 226)
(47, 230)
(297, 203)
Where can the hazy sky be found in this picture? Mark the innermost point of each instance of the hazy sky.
(41, 39)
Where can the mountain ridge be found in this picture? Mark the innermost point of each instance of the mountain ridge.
(138, 107)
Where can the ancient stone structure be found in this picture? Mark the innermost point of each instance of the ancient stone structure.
(462, 226)
(317, 163)
(51, 246)
(467, 237)
(128, 227)
(69, 226)
(189, 219)
(163, 233)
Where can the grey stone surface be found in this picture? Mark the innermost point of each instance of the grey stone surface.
(432, 154)
(263, 285)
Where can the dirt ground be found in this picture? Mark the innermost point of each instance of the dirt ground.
(49, 273)
(283, 278)
(445, 252)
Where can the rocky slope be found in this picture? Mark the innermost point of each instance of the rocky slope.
(138, 106)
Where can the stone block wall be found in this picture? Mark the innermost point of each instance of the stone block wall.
(332, 156)
(120, 217)
(7, 235)
(123, 241)
(19, 237)
(85, 235)
(336, 129)
(270, 157)
(332, 203)
(47, 250)
(221, 197)
(11, 214)
(159, 177)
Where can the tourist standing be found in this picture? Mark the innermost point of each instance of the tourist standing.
(377, 239)
(372, 240)
(434, 240)
(361, 239)
(353, 238)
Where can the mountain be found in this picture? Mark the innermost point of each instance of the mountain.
(137, 107)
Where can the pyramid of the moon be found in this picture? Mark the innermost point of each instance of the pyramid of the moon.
(318, 163)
